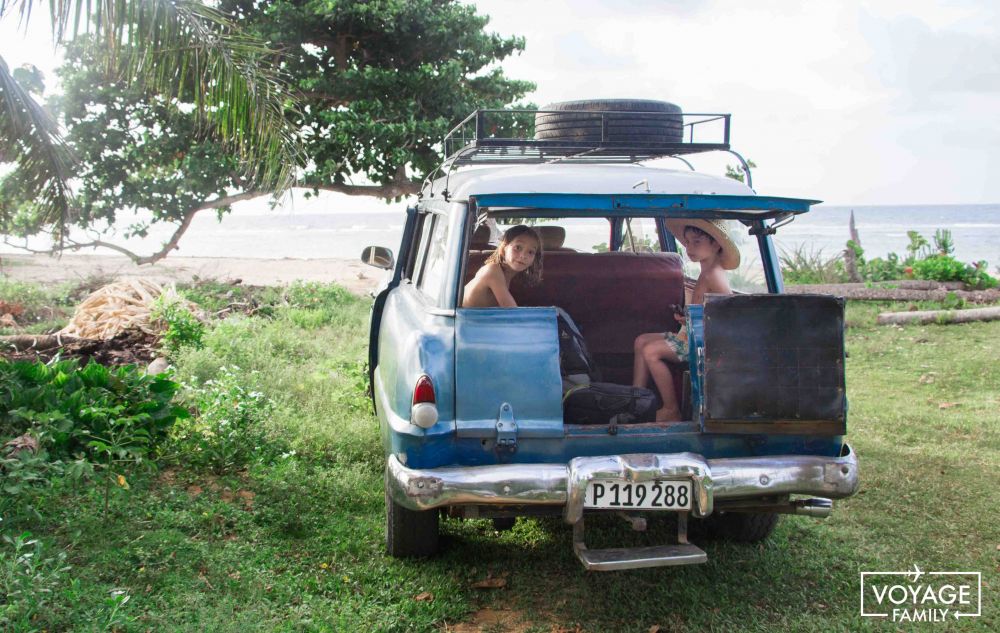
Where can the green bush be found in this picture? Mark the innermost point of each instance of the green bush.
(72, 408)
(229, 431)
(880, 269)
(184, 328)
(947, 268)
(939, 268)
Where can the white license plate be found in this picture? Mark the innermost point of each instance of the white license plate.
(638, 495)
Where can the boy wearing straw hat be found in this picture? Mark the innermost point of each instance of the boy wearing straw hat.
(707, 243)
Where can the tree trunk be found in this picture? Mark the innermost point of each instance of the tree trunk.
(940, 316)
(38, 342)
(864, 292)
(850, 257)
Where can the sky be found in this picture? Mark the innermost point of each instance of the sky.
(883, 102)
(851, 102)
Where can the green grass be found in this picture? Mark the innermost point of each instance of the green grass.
(295, 543)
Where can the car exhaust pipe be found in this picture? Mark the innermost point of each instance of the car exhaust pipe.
(816, 507)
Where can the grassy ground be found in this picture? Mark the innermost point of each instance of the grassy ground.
(293, 542)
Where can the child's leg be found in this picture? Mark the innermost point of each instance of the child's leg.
(640, 372)
(656, 355)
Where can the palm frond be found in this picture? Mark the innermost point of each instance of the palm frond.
(170, 45)
(30, 138)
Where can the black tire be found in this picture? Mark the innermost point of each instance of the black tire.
(741, 527)
(410, 533)
(634, 120)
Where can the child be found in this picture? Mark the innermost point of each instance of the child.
(519, 251)
(708, 243)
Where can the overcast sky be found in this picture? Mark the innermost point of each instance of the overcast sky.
(852, 102)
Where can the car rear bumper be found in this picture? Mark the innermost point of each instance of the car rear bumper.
(565, 484)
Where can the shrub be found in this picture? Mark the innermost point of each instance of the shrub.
(73, 407)
(946, 268)
(800, 266)
(229, 431)
(183, 327)
(879, 269)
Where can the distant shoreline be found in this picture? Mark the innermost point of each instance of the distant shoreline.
(350, 273)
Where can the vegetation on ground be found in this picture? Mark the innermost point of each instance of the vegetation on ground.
(263, 509)
(922, 261)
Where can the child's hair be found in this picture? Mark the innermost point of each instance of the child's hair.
(698, 232)
(533, 276)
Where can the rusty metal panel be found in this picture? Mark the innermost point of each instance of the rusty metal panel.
(774, 360)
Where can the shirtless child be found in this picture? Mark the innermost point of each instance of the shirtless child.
(707, 242)
(519, 252)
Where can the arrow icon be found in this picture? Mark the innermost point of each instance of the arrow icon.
(916, 573)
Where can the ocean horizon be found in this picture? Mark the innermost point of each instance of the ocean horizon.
(309, 234)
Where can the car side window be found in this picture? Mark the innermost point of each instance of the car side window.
(420, 248)
(431, 278)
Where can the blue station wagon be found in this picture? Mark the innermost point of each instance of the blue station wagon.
(470, 400)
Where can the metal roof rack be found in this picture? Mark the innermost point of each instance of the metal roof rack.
(507, 137)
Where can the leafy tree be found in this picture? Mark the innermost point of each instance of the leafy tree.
(382, 82)
(164, 47)
(136, 152)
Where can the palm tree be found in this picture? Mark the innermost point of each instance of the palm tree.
(167, 46)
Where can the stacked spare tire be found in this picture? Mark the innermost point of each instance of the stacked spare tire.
(628, 121)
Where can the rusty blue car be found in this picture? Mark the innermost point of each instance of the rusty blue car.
(470, 400)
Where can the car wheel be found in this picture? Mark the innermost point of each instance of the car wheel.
(634, 120)
(741, 527)
(410, 533)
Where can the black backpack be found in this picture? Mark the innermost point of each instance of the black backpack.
(608, 403)
(586, 400)
(574, 358)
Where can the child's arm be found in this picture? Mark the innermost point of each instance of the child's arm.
(497, 283)
(710, 281)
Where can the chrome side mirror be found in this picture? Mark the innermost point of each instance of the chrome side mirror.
(379, 257)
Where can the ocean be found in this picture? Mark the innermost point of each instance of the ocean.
(308, 233)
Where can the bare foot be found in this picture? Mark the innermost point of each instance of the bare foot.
(668, 415)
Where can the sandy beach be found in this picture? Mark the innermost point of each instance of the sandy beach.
(350, 273)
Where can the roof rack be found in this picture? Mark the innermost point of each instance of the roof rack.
(507, 137)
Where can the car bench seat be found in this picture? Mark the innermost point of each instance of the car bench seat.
(613, 297)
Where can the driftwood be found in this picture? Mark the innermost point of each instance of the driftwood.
(940, 316)
(908, 290)
(36, 342)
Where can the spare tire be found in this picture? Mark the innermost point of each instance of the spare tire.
(629, 121)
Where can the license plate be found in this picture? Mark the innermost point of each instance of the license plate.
(638, 495)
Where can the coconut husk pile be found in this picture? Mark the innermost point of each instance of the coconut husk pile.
(114, 325)
(126, 304)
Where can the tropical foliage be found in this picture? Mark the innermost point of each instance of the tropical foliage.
(379, 84)
(166, 47)
(382, 82)
(922, 261)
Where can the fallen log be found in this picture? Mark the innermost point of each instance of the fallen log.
(862, 292)
(939, 316)
(36, 342)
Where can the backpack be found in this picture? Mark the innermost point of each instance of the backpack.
(575, 363)
(608, 403)
(586, 400)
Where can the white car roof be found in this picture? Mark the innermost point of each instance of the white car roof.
(583, 178)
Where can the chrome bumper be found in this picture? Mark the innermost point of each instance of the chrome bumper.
(565, 484)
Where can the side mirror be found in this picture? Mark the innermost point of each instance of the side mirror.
(379, 257)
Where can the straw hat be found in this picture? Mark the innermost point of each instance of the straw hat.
(718, 229)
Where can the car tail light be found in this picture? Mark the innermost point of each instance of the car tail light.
(424, 411)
